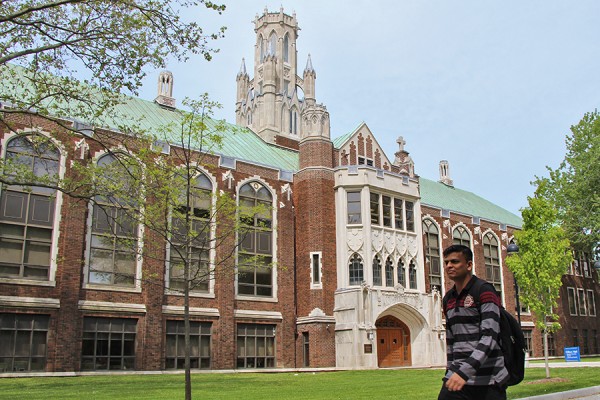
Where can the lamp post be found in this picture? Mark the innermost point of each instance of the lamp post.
(514, 249)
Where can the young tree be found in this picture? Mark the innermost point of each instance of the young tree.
(544, 256)
(74, 58)
(573, 186)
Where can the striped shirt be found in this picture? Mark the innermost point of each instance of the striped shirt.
(472, 327)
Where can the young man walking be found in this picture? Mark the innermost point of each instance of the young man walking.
(475, 368)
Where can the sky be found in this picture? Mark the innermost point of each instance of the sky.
(491, 86)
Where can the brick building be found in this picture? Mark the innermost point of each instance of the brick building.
(354, 237)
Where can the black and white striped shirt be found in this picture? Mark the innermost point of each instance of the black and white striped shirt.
(472, 327)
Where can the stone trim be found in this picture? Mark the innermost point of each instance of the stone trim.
(30, 302)
(89, 305)
(255, 314)
(194, 311)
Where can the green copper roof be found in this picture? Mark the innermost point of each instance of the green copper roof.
(145, 116)
(239, 143)
(438, 195)
(340, 140)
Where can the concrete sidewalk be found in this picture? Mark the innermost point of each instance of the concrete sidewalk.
(590, 393)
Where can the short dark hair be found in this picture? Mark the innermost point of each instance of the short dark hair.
(459, 248)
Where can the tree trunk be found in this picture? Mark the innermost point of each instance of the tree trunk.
(546, 353)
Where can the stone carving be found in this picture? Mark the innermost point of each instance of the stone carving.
(401, 244)
(389, 241)
(355, 239)
(377, 240)
(412, 246)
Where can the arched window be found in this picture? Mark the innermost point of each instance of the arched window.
(113, 245)
(190, 242)
(401, 273)
(389, 272)
(492, 261)
(286, 48)
(261, 44)
(255, 256)
(293, 122)
(377, 271)
(355, 270)
(272, 44)
(412, 275)
(27, 212)
(432, 253)
(460, 235)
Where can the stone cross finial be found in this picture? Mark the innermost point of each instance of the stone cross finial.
(401, 143)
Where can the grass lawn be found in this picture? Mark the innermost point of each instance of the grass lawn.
(379, 384)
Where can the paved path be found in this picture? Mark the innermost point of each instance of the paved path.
(590, 393)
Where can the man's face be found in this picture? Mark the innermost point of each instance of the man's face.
(457, 266)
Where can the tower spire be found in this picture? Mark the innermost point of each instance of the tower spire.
(309, 66)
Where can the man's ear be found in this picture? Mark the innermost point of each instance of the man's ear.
(470, 266)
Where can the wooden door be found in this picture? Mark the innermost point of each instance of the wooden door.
(393, 343)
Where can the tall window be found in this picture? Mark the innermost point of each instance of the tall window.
(315, 269)
(432, 253)
(492, 261)
(255, 346)
(410, 215)
(591, 303)
(575, 334)
(355, 269)
(199, 345)
(374, 209)
(113, 244)
(293, 122)
(354, 216)
(585, 340)
(377, 271)
(399, 214)
(273, 44)
(528, 341)
(551, 346)
(386, 202)
(255, 256)
(108, 344)
(401, 273)
(389, 272)
(412, 275)
(581, 300)
(23, 341)
(191, 243)
(572, 301)
(286, 48)
(27, 213)
(460, 235)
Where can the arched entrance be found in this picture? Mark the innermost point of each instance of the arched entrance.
(393, 342)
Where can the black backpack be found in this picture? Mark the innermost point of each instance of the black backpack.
(510, 339)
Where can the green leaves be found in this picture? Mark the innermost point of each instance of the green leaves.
(573, 186)
(544, 256)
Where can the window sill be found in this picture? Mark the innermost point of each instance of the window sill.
(169, 292)
(256, 298)
(91, 286)
(30, 282)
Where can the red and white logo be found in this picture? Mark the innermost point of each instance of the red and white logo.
(469, 301)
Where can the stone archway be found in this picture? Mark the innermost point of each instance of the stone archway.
(393, 342)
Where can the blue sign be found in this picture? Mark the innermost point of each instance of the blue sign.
(572, 354)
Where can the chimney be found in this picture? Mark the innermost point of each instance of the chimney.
(445, 173)
(165, 90)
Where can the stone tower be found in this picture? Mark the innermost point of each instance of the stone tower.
(272, 102)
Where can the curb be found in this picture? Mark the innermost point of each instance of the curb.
(570, 394)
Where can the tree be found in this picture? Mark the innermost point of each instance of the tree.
(544, 256)
(73, 60)
(573, 186)
(56, 52)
